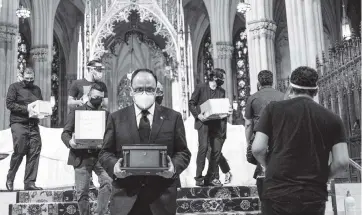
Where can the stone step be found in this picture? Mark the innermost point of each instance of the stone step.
(182, 193)
(184, 206)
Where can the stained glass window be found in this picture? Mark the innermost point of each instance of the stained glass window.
(55, 83)
(23, 53)
(207, 56)
(242, 68)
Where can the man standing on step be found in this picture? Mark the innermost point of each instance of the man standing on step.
(293, 142)
(254, 107)
(85, 161)
(78, 91)
(145, 122)
(25, 130)
(212, 133)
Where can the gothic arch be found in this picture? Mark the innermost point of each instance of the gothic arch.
(120, 11)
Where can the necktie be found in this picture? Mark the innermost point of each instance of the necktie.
(144, 128)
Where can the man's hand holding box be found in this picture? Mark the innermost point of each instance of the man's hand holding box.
(40, 109)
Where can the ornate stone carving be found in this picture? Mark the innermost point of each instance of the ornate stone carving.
(39, 53)
(8, 32)
(262, 28)
(224, 50)
(123, 15)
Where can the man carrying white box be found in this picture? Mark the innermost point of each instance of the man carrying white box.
(210, 109)
(83, 135)
(22, 100)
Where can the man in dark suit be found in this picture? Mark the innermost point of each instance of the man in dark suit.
(85, 161)
(212, 133)
(145, 122)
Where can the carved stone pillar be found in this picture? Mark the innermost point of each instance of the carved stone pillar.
(305, 30)
(223, 60)
(262, 38)
(8, 54)
(42, 45)
(222, 15)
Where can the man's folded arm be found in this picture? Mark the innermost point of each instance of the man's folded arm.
(107, 156)
(11, 103)
(181, 157)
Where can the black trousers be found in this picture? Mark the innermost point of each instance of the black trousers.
(259, 187)
(208, 141)
(142, 205)
(27, 142)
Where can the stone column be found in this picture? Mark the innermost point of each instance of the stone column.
(305, 30)
(261, 36)
(222, 15)
(42, 46)
(8, 54)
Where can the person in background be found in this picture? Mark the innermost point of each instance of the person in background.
(144, 122)
(25, 130)
(78, 91)
(212, 133)
(293, 141)
(85, 161)
(254, 107)
(159, 93)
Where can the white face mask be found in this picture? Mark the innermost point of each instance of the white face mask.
(143, 100)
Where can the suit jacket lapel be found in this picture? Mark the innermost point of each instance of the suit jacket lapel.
(134, 128)
(158, 119)
(208, 93)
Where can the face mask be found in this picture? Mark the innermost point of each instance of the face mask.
(159, 99)
(96, 102)
(143, 100)
(219, 82)
(97, 75)
(28, 83)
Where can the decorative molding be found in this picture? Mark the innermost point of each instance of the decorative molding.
(262, 28)
(8, 32)
(39, 53)
(224, 50)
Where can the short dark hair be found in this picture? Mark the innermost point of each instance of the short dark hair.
(265, 78)
(306, 77)
(96, 86)
(217, 72)
(143, 70)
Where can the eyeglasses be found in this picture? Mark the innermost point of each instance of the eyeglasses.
(147, 90)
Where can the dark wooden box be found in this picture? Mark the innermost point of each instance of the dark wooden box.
(144, 159)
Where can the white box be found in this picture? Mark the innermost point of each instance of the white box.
(41, 109)
(89, 128)
(215, 108)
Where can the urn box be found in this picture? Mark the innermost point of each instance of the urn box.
(144, 159)
(215, 108)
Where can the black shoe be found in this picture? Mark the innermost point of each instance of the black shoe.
(32, 187)
(213, 183)
(91, 185)
(9, 185)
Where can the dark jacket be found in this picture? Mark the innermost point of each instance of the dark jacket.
(200, 95)
(17, 100)
(167, 129)
(77, 157)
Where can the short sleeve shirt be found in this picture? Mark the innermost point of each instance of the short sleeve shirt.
(81, 87)
(301, 136)
(259, 100)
